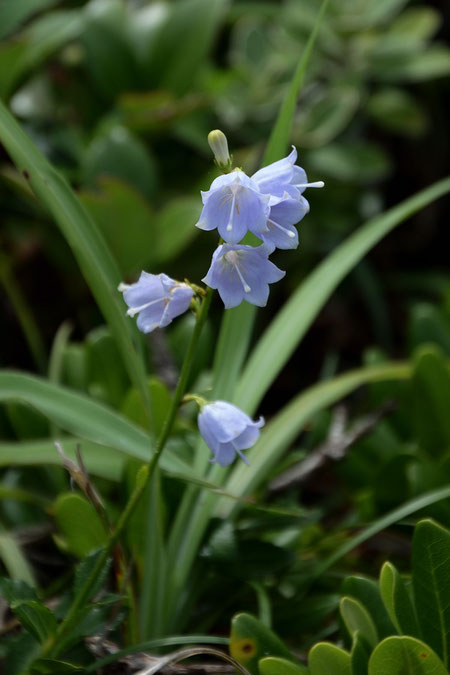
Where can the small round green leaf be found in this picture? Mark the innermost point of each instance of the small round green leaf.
(405, 656)
(273, 665)
(327, 659)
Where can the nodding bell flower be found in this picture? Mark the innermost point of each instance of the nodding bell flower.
(268, 204)
(234, 205)
(157, 299)
(242, 273)
(227, 430)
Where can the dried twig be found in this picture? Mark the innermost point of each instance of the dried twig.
(79, 475)
(142, 663)
(339, 440)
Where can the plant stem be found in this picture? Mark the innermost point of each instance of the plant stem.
(53, 646)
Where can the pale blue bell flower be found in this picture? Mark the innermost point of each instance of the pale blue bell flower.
(242, 272)
(234, 205)
(157, 299)
(227, 430)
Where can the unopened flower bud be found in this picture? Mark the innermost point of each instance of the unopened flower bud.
(219, 145)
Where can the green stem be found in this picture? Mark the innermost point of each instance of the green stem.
(53, 646)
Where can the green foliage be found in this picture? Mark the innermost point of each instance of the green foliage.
(365, 620)
(80, 530)
(35, 617)
(273, 665)
(398, 601)
(250, 640)
(357, 620)
(116, 99)
(325, 659)
(430, 393)
(87, 243)
(405, 656)
(431, 560)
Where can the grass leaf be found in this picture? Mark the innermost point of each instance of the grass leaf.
(88, 246)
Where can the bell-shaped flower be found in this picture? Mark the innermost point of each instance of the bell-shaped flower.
(234, 205)
(242, 273)
(227, 431)
(284, 214)
(157, 299)
(283, 176)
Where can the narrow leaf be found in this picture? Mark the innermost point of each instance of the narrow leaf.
(82, 416)
(405, 510)
(280, 133)
(291, 323)
(89, 247)
(287, 424)
(327, 659)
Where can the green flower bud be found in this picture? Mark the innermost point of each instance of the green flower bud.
(219, 145)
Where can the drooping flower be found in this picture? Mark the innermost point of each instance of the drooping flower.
(234, 205)
(157, 299)
(227, 430)
(242, 273)
(283, 176)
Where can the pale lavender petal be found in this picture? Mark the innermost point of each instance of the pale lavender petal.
(283, 215)
(259, 294)
(272, 178)
(150, 318)
(147, 288)
(248, 437)
(273, 273)
(178, 303)
(231, 294)
(225, 455)
(228, 420)
(233, 205)
(299, 179)
(224, 278)
(208, 432)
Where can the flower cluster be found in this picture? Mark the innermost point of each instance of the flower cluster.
(268, 204)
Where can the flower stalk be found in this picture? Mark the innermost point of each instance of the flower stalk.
(53, 647)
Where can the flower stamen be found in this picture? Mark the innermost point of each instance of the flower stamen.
(316, 184)
(135, 310)
(280, 227)
(230, 222)
(233, 259)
